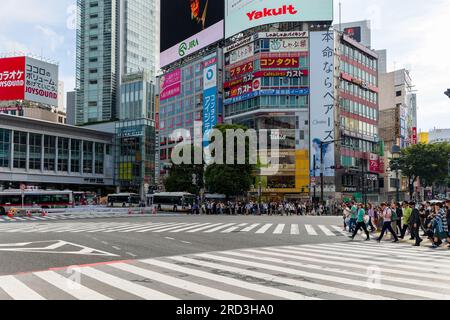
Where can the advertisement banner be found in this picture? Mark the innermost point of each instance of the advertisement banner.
(374, 163)
(282, 73)
(192, 44)
(288, 45)
(41, 84)
(286, 34)
(322, 102)
(241, 15)
(241, 53)
(242, 69)
(280, 62)
(414, 135)
(170, 85)
(268, 92)
(12, 78)
(209, 96)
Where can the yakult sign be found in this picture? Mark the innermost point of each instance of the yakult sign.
(25, 78)
(241, 15)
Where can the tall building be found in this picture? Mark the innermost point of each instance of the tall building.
(114, 38)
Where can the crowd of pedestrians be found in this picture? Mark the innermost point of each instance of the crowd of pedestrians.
(399, 219)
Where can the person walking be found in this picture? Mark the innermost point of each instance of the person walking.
(361, 224)
(439, 225)
(394, 217)
(346, 215)
(353, 219)
(387, 226)
(414, 224)
(407, 212)
(371, 222)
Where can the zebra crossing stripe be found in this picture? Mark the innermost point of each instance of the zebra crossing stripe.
(204, 228)
(250, 228)
(264, 228)
(137, 227)
(229, 230)
(326, 231)
(268, 256)
(192, 226)
(20, 219)
(173, 227)
(125, 285)
(310, 230)
(395, 249)
(225, 280)
(339, 230)
(17, 290)
(125, 227)
(295, 229)
(219, 228)
(279, 229)
(180, 283)
(283, 280)
(69, 286)
(161, 226)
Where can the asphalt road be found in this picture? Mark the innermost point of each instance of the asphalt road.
(35, 246)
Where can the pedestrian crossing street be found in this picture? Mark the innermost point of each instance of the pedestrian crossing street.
(5, 219)
(335, 271)
(178, 227)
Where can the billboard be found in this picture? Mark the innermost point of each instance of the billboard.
(354, 32)
(188, 26)
(25, 78)
(322, 101)
(209, 96)
(170, 85)
(241, 15)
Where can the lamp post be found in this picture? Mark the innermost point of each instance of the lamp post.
(396, 155)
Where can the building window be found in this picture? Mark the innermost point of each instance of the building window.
(35, 151)
(87, 156)
(99, 158)
(5, 144)
(75, 155)
(398, 94)
(20, 150)
(63, 154)
(49, 153)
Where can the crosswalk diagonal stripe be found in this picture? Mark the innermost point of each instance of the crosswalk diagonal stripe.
(310, 230)
(137, 227)
(192, 226)
(279, 229)
(285, 280)
(76, 290)
(204, 227)
(404, 250)
(295, 229)
(326, 231)
(125, 227)
(229, 230)
(173, 227)
(250, 228)
(125, 285)
(326, 266)
(180, 283)
(264, 228)
(340, 279)
(161, 226)
(17, 290)
(109, 226)
(339, 230)
(219, 228)
(226, 280)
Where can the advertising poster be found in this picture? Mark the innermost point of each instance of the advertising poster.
(322, 101)
(209, 96)
(12, 78)
(170, 85)
(41, 84)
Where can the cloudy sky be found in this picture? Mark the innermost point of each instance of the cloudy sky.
(414, 32)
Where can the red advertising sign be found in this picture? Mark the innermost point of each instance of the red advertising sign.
(12, 78)
(242, 69)
(170, 85)
(282, 73)
(239, 90)
(280, 62)
(414, 135)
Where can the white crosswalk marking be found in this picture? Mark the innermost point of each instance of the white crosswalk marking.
(264, 228)
(250, 228)
(295, 229)
(339, 230)
(229, 230)
(196, 225)
(279, 229)
(17, 290)
(204, 227)
(326, 231)
(310, 230)
(179, 283)
(76, 290)
(219, 228)
(173, 227)
(162, 226)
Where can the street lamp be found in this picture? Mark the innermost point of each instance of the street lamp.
(396, 155)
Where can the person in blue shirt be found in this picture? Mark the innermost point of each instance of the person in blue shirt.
(361, 224)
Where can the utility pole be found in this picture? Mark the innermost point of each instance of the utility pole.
(321, 172)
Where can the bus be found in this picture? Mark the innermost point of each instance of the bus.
(45, 199)
(82, 198)
(171, 201)
(123, 200)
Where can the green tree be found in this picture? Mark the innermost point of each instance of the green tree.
(227, 179)
(427, 161)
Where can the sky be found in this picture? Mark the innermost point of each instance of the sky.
(414, 32)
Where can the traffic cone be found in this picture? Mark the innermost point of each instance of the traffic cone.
(10, 215)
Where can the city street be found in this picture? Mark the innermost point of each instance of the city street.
(211, 257)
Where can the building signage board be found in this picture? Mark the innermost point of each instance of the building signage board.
(268, 92)
(288, 45)
(242, 53)
(210, 104)
(241, 15)
(170, 85)
(280, 62)
(12, 78)
(322, 101)
(283, 35)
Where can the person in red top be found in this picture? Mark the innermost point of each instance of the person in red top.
(387, 216)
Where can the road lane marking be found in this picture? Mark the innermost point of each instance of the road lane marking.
(295, 229)
(219, 228)
(172, 227)
(17, 290)
(180, 283)
(69, 286)
(159, 227)
(310, 230)
(250, 228)
(279, 229)
(264, 228)
(326, 231)
(204, 228)
(229, 230)
(190, 227)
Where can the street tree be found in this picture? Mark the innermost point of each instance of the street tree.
(429, 162)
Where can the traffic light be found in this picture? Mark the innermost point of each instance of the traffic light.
(447, 93)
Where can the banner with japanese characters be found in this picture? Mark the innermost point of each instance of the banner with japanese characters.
(322, 102)
(41, 84)
(210, 102)
(170, 85)
(12, 78)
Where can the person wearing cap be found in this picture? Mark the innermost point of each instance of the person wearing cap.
(387, 226)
